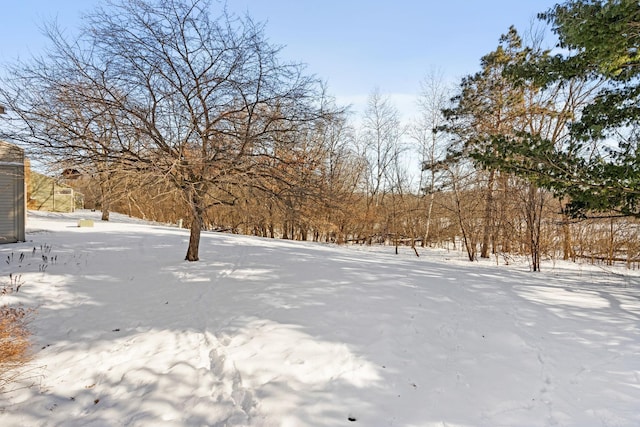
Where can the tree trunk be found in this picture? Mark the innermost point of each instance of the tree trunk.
(104, 198)
(427, 233)
(567, 251)
(469, 246)
(197, 219)
(533, 218)
(194, 238)
(488, 217)
(505, 225)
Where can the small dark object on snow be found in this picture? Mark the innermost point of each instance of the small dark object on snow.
(116, 330)
(352, 419)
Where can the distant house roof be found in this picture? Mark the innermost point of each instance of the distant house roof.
(71, 173)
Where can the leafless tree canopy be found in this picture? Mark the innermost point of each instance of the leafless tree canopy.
(168, 89)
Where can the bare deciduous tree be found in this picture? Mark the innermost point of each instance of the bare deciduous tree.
(379, 141)
(201, 101)
(433, 99)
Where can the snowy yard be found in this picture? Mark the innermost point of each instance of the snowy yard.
(277, 333)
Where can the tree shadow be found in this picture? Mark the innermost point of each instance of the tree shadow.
(264, 332)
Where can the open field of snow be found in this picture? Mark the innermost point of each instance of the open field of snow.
(277, 333)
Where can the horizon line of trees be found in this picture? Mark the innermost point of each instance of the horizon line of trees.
(170, 112)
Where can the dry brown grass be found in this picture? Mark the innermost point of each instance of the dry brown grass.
(14, 341)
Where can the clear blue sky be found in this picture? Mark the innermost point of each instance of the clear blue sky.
(354, 45)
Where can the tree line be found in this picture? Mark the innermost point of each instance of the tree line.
(172, 112)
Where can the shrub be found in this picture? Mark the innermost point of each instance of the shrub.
(14, 341)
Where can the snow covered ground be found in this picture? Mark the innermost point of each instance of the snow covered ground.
(277, 333)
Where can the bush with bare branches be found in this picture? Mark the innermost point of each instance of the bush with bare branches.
(14, 341)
